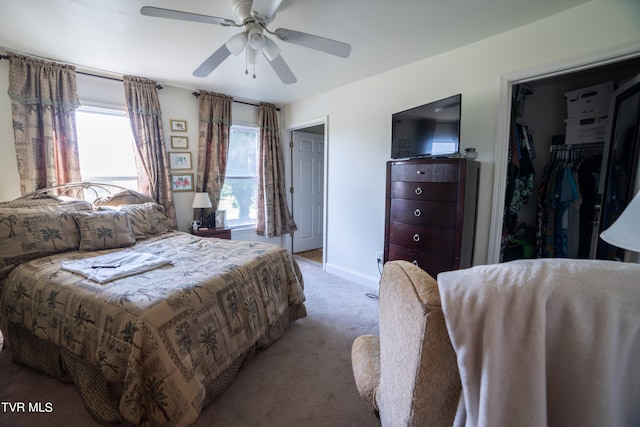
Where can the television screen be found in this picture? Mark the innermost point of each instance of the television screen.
(430, 130)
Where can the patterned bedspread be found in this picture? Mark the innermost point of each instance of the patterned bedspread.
(164, 333)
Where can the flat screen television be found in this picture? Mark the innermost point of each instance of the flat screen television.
(430, 130)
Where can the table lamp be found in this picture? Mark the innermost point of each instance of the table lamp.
(201, 201)
(625, 231)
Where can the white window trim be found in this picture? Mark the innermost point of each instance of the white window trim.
(114, 111)
(247, 127)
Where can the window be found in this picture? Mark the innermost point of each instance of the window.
(105, 147)
(239, 193)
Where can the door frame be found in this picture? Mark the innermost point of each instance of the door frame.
(570, 65)
(299, 127)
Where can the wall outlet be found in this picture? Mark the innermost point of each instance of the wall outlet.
(379, 256)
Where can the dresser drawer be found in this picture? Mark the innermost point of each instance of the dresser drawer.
(435, 191)
(220, 233)
(434, 214)
(425, 172)
(430, 262)
(439, 240)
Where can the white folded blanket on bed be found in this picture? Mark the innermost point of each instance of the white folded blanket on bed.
(115, 265)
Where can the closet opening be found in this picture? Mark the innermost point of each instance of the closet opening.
(565, 179)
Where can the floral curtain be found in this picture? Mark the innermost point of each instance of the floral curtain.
(273, 217)
(43, 101)
(213, 143)
(152, 160)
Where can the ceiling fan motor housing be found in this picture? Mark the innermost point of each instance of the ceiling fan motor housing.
(242, 9)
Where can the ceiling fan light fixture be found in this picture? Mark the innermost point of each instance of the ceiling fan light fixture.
(255, 38)
(237, 43)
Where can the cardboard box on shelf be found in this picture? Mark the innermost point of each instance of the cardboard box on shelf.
(590, 100)
(586, 129)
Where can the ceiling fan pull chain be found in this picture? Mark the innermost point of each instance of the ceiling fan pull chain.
(246, 61)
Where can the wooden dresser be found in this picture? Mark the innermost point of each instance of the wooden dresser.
(431, 212)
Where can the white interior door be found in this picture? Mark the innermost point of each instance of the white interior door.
(308, 190)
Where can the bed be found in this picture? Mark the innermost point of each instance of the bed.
(151, 348)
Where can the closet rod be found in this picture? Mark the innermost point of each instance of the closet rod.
(572, 147)
(196, 94)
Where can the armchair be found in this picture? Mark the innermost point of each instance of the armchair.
(409, 374)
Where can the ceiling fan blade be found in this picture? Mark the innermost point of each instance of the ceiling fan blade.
(185, 16)
(282, 70)
(212, 62)
(323, 44)
(264, 10)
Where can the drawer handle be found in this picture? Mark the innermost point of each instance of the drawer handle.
(416, 237)
(415, 262)
(418, 191)
(420, 172)
(417, 212)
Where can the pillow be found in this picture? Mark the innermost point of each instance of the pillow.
(125, 197)
(29, 232)
(147, 219)
(104, 230)
(33, 201)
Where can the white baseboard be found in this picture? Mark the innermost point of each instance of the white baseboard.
(354, 276)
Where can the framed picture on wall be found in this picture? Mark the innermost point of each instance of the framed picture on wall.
(182, 182)
(179, 142)
(178, 125)
(221, 219)
(179, 160)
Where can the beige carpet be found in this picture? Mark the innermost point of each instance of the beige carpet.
(304, 379)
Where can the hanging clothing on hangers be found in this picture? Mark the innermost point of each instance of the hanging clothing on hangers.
(564, 231)
(520, 174)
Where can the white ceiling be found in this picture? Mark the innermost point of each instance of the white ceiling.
(110, 37)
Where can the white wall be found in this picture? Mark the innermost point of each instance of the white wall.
(359, 117)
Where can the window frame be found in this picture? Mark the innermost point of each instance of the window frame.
(253, 128)
(112, 111)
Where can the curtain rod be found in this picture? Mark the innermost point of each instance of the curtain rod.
(159, 87)
(196, 94)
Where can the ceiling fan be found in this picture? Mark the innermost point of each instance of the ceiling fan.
(254, 16)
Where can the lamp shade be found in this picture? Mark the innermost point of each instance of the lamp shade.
(255, 38)
(625, 231)
(237, 43)
(201, 200)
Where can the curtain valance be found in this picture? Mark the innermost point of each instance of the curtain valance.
(142, 96)
(37, 82)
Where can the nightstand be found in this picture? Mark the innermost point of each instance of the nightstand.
(220, 233)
